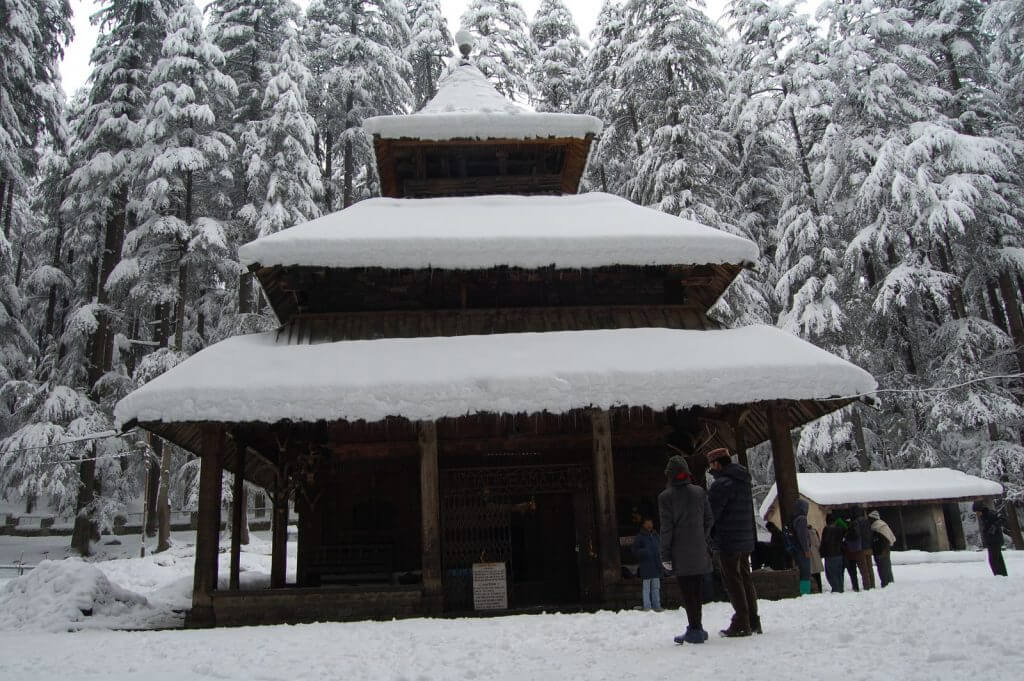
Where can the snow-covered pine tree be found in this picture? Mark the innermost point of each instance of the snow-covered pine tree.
(612, 160)
(673, 78)
(249, 33)
(503, 50)
(430, 45)
(131, 33)
(556, 75)
(282, 173)
(356, 51)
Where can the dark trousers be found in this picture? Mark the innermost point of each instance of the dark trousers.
(816, 582)
(852, 562)
(883, 561)
(739, 586)
(834, 573)
(690, 588)
(995, 560)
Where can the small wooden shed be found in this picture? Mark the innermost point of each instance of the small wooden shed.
(921, 505)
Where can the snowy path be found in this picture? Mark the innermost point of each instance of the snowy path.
(939, 621)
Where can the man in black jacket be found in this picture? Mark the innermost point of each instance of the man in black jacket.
(732, 506)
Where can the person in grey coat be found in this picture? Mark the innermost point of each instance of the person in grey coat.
(686, 542)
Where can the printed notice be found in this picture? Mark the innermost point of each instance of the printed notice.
(490, 591)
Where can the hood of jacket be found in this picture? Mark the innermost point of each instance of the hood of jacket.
(735, 472)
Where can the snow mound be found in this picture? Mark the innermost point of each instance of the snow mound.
(63, 595)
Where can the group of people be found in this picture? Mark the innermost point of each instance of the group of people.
(849, 543)
(701, 531)
(698, 531)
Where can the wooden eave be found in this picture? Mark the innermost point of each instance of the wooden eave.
(270, 446)
(399, 301)
(408, 168)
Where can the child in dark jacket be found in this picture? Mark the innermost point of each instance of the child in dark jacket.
(647, 551)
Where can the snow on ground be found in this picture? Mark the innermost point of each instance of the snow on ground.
(940, 620)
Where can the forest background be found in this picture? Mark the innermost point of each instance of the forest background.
(873, 151)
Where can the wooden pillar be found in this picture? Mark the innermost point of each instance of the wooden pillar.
(604, 498)
(431, 515)
(740, 438)
(237, 515)
(208, 529)
(783, 460)
(279, 537)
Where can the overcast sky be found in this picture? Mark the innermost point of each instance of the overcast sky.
(75, 68)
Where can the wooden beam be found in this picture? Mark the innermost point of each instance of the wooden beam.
(431, 515)
(604, 499)
(783, 459)
(279, 536)
(237, 517)
(208, 527)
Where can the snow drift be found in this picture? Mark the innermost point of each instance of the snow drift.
(64, 595)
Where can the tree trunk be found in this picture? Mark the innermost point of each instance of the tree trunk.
(153, 486)
(328, 170)
(9, 210)
(51, 300)
(82, 534)
(1013, 525)
(3, 195)
(245, 293)
(996, 306)
(1009, 294)
(863, 455)
(163, 541)
(179, 317)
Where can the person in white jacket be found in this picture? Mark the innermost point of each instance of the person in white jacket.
(882, 540)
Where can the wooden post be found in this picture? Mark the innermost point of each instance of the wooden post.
(431, 515)
(237, 511)
(208, 528)
(604, 498)
(279, 537)
(783, 460)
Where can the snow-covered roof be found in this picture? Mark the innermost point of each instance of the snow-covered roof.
(467, 106)
(256, 378)
(880, 487)
(469, 232)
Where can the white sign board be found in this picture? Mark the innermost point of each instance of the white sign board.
(490, 590)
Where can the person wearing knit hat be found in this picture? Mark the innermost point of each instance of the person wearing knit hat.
(686, 541)
(732, 503)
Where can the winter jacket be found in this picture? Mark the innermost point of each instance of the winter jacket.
(832, 541)
(851, 540)
(991, 527)
(863, 524)
(647, 551)
(732, 505)
(685, 528)
(799, 525)
(817, 566)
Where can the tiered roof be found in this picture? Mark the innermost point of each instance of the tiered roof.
(468, 107)
(585, 230)
(259, 378)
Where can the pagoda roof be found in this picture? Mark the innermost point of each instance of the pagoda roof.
(479, 232)
(467, 106)
(264, 379)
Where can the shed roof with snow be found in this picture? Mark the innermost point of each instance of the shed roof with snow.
(894, 487)
(583, 230)
(257, 378)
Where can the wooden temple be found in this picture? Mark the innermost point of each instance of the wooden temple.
(479, 370)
